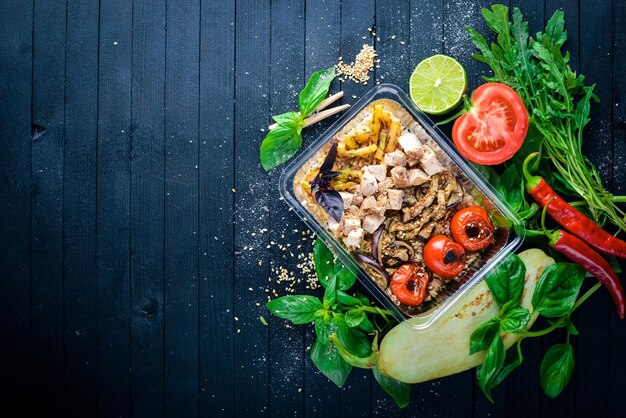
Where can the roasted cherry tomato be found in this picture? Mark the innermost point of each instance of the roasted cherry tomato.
(444, 257)
(472, 228)
(408, 284)
(495, 126)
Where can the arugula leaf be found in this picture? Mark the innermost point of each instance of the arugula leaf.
(557, 289)
(488, 371)
(556, 369)
(315, 91)
(400, 392)
(299, 309)
(280, 144)
(483, 336)
(506, 281)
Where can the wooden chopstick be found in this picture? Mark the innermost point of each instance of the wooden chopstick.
(323, 104)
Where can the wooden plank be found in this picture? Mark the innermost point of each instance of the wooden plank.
(286, 349)
(113, 206)
(323, 23)
(16, 28)
(79, 207)
(252, 200)
(181, 208)
(426, 34)
(216, 177)
(617, 356)
(147, 208)
(47, 205)
(356, 17)
(458, 45)
(594, 316)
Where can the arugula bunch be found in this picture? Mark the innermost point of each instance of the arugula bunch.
(556, 97)
(554, 298)
(349, 317)
(282, 142)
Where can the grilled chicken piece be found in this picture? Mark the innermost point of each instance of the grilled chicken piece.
(379, 171)
(394, 199)
(417, 177)
(399, 177)
(395, 159)
(429, 161)
(413, 149)
(372, 222)
(368, 184)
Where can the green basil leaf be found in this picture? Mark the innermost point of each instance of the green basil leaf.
(279, 145)
(512, 360)
(324, 262)
(298, 309)
(511, 187)
(315, 90)
(364, 299)
(354, 317)
(355, 341)
(557, 289)
(556, 369)
(329, 361)
(345, 278)
(483, 336)
(488, 371)
(288, 119)
(571, 328)
(346, 299)
(330, 295)
(506, 282)
(489, 174)
(366, 326)
(400, 392)
(515, 319)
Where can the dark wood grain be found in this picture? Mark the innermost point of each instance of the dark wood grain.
(181, 208)
(139, 230)
(48, 117)
(252, 200)
(113, 209)
(147, 163)
(79, 208)
(16, 60)
(216, 208)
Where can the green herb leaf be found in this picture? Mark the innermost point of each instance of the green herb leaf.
(345, 279)
(330, 295)
(329, 361)
(346, 299)
(557, 289)
(315, 91)
(512, 360)
(299, 309)
(515, 319)
(355, 341)
(324, 262)
(483, 336)
(571, 328)
(354, 317)
(366, 326)
(511, 187)
(556, 369)
(289, 120)
(488, 371)
(280, 144)
(506, 282)
(400, 392)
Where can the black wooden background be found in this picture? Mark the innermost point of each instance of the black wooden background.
(136, 218)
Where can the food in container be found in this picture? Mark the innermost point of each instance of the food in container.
(379, 186)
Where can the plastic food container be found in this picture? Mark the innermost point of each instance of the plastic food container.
(509, 229)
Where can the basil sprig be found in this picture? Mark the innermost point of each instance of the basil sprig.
(555, 298)
(282, 142)
(351, 317)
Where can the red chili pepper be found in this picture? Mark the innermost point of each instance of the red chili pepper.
(576, 250)
(569, 218)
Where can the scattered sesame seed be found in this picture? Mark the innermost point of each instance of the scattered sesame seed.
(357, 71)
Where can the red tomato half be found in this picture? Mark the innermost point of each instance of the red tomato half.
(495, 126)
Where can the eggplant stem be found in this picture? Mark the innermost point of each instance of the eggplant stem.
(369, 362)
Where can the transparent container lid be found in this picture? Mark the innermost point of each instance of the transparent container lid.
(509, 228)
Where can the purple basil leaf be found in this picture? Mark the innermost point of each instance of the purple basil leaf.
(329, 161)
(331, 202)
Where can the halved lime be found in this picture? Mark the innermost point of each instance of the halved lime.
(438, 84)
